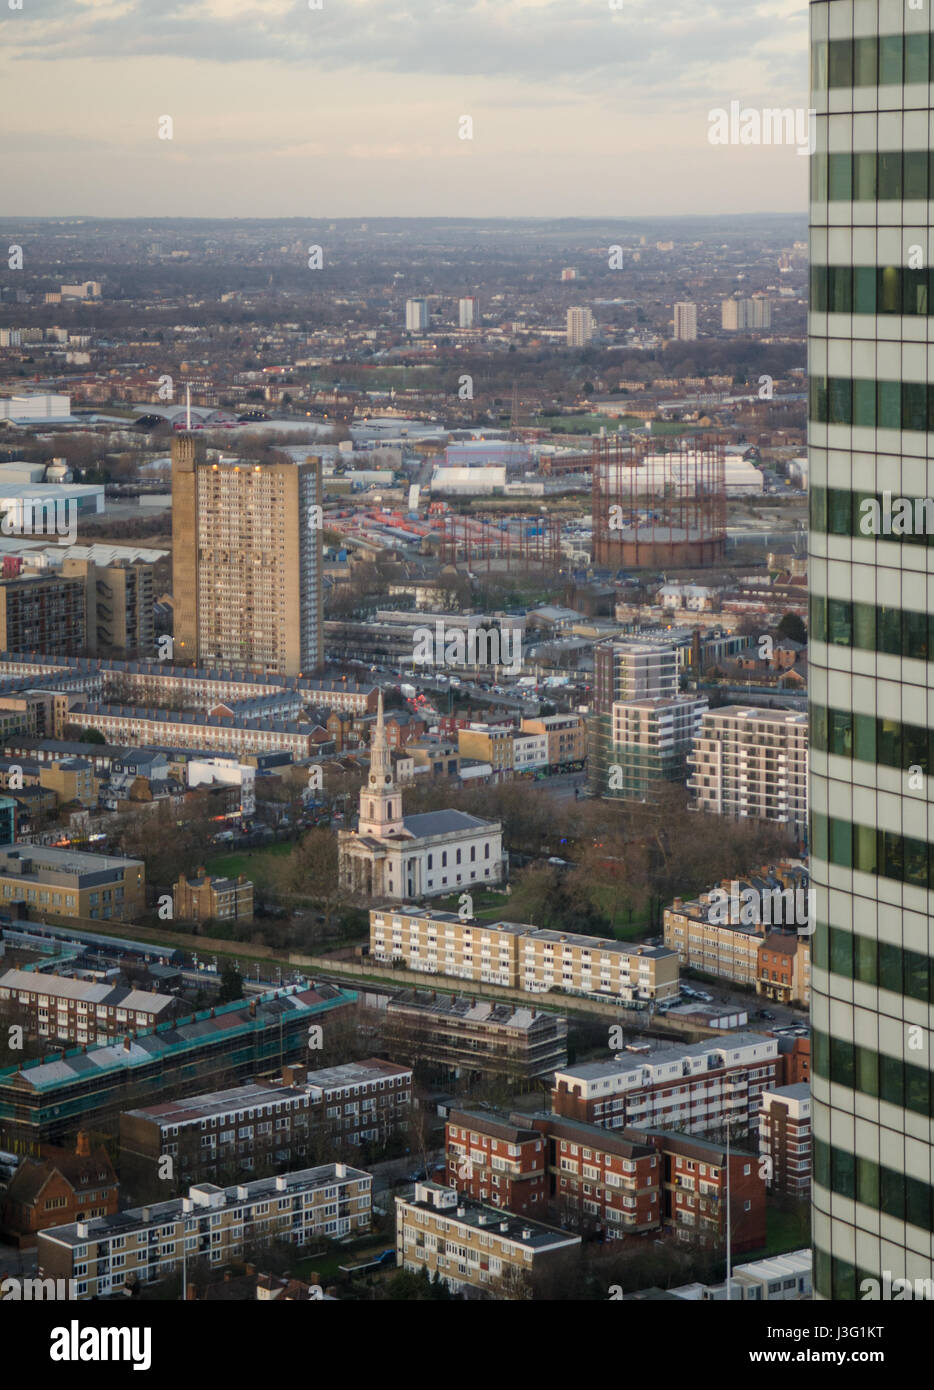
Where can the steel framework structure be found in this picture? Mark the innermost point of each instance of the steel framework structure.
(655, 509)
(516, 542)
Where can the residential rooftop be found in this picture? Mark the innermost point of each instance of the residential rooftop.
(205, 1197)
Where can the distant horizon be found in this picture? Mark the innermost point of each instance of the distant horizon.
(403, 217)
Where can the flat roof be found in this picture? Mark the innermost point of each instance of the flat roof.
(533, 1235)
(120, 1223)
(624, 1062)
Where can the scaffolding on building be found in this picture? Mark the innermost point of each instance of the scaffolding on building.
(658, 508)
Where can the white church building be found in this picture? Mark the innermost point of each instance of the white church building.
(402, 857)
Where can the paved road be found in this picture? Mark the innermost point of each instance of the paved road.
(562, 785)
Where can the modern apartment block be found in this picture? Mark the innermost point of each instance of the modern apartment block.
(71, 883)
(477, 1249)
(651, 740)
(46, 612)
(87, 1086)
(267, 1123)
(145, 1244)
(246, 548)
(119, 598)
(696, 1088)
(752, 763)
(523, 957)
(624, 673)
(871, 400)
(82, 1011)
(785, 1138)
(475, 1037)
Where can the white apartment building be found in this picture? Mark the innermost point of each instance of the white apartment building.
(685, 321)
(693, 1089)
(752, 763)
(473, 1246)
(38, 406)
(580, 327)
(144, 1244)
(529, 751)
(468, 309)
(738, 315)
(416, 315)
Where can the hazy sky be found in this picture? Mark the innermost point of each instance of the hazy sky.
(353, 109)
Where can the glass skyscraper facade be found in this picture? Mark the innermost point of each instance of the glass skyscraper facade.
(871, 363)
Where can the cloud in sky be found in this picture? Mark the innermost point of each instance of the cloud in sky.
(375, 82)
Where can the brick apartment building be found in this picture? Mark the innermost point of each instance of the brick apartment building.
(585, 1178)
(785, 1138)
(204, 897)
(144, 1244)
(495, 1159)
(58, 1186)
(695, 1184)
(794, 1059)
(82, 1011)
(461, 1036)
(477, 1249)
(692, 1088)
(262, 1125)
(784, 968)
